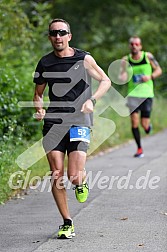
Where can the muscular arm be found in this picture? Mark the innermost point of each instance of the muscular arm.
(157, 71)
(38, 101)
(98, 74)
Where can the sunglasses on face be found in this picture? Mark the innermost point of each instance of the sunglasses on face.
(53, 33)
(135, 44)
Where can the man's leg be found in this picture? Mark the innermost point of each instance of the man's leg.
(76, 167)
(145, 115)
(136, 133)
(56, 161)
(77, 174)
(135, 128)
(145, 121)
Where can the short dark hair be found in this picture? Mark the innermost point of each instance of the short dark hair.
(60, 20)
(135, 37)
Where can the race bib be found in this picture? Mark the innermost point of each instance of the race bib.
(78, 133)
(137, 78)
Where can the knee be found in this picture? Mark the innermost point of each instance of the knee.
(75, 178)
(135, 123)
(57, 177)
(135, 120)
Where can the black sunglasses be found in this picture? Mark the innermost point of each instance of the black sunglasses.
(53, 33)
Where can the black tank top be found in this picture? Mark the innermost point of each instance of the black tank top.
(69, 87)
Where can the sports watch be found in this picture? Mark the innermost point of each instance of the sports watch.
(93, 100)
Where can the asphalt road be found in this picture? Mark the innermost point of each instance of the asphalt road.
(126, 210)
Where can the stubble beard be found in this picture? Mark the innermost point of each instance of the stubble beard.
(58, 48)
(135, 52)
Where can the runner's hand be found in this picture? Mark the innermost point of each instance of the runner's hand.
(87, 107)
(146, 78)
(40, 114)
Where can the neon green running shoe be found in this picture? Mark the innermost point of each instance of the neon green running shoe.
(66, 232)
(82, 192)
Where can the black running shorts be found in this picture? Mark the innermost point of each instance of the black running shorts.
(144, 105)
(56, 137)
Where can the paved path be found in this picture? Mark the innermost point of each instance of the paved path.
(125, 212)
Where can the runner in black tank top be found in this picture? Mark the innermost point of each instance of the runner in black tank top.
(67, 71)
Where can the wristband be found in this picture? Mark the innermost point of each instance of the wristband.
(93, 100)
(152, 77)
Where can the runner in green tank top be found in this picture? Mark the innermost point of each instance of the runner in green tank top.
(140, 88)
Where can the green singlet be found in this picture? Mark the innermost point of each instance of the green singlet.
(136, 88)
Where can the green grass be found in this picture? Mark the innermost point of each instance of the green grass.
(121, 134)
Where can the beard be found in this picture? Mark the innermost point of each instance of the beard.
(58, 49)
(58, 46)
(134, 52)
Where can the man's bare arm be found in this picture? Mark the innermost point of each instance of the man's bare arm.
(98, 74)
(38, 101)
(157, 71)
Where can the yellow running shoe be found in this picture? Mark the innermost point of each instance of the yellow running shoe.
(82, 192)
(66, 232)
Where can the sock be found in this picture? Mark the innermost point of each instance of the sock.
(136, 135)
(68, 222)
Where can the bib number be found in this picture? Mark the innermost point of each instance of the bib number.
(78, 133)
(137, 78)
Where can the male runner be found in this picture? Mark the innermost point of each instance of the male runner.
(67, 71)
(140, 88)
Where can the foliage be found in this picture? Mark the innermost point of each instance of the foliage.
(17, 63)
(104, 28)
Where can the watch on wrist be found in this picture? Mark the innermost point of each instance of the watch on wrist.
(93, 100)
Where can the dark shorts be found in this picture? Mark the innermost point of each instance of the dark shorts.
(144, 105)
(56, 137)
